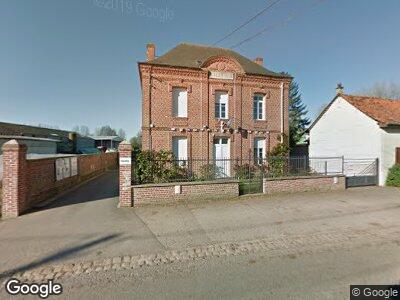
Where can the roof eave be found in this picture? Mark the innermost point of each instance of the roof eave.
(200, 69)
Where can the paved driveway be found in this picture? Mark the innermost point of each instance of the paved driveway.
(87, 225)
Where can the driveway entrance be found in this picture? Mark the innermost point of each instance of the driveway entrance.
(361, 172)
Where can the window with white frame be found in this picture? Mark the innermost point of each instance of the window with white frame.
(258, 107)
(179, 149)
(221, 105)
(259, 150)
(179, 102)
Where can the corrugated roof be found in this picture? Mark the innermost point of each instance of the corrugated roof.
(191, 56)
(107, 137)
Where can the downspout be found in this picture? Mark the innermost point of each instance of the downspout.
(282, 113)
(201, 113)
(150, 102)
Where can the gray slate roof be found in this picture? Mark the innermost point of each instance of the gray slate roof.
(189, 55)
(27, 130)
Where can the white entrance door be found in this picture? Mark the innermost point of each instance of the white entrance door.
(222, 157)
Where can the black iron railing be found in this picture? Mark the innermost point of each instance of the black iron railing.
(180, 170)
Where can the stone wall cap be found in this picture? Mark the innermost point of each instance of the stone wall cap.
(303, 177)
(14, 145)
(220, 181)
(125, 145)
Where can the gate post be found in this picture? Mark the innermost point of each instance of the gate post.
(14, 179)
(125, 174)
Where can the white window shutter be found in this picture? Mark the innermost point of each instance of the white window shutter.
(179, 147)
(179, 102)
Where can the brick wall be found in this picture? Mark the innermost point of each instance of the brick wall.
(43, 185)
(303, 184)
(165, 192)
(27, 182)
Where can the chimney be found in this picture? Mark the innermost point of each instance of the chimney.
(151, 52)
(339, 88)
(259, 61)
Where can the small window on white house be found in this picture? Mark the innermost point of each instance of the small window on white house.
(259, 150)
(179, 102)
(258, 107)
(221, 105)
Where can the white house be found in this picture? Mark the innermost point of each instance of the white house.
(358, 127)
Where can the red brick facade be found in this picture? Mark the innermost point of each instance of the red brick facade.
(201, 127)
(27, 182)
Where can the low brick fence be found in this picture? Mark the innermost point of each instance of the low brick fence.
(27, 182)
(171, 192)
(304, 184)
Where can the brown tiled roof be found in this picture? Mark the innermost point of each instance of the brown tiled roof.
(385, 111)
(190, 55)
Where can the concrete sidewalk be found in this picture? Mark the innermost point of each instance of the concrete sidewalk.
(87, 225)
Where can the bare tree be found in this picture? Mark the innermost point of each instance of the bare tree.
(382, 90)
(122, 134)
(106, 130)
(136, 141)
(82, 130)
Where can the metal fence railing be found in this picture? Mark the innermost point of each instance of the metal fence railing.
(181, 170)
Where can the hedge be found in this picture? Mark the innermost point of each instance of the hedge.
(393, 178)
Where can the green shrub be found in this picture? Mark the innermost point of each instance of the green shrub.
(393, 178)
(158, 166)
(244, 171)
(209, 172)
(278, 160)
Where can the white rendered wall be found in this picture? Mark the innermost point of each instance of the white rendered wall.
(390, 140)
(345, 131)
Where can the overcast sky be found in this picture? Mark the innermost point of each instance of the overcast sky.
(74, 62)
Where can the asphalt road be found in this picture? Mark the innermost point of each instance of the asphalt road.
(322, 275)
(295, 246)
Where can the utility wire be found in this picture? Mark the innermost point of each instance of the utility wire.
(247, 22)
(270, 28)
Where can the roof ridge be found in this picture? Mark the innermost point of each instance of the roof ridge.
(371, 97)
(206, 46)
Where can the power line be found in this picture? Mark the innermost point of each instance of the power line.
(247, 22)
(270, 28)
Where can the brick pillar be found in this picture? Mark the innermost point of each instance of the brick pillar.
(14, 179)
(125, 174)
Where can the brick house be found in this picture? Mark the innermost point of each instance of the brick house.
(206, 102)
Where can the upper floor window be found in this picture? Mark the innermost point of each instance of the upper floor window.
(179, 102)
(221, 105)
(258, 107)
